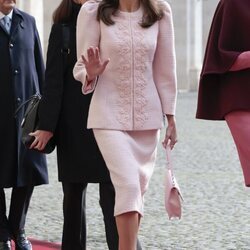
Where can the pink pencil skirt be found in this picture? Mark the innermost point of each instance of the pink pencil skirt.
(130, 158)
(239, 125)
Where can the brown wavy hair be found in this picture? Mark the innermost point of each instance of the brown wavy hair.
(152, 12)
(63, 12)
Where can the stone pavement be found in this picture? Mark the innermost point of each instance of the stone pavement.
(216, 207)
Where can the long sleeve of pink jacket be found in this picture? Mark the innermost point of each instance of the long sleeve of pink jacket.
(164, 66)
(138, 85)
(88, 34)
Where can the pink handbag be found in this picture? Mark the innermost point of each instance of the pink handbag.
(173, 196)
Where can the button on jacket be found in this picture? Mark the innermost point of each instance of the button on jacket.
(138, 85)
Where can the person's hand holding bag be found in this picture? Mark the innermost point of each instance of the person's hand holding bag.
(171, 133)
(41, 139)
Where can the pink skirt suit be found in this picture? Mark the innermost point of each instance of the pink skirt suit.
(130, 97)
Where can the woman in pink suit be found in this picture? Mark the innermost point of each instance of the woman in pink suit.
(224, 90)
(126, 55)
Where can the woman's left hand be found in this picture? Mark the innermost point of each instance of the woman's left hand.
(171, 133)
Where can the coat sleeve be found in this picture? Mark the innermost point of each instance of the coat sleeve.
(222, 47)
(164, 65)
(39, 59)
(87, 34)
(50, 104)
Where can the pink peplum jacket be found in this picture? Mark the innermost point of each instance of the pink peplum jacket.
(138, 85)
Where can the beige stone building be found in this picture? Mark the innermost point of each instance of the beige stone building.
(192, 19)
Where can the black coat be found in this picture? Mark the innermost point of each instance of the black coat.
(64, 110)
(21, 75)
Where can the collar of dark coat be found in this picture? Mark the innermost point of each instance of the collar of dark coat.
(18, 12)
(17, 20)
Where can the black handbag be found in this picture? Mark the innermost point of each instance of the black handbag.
(30, 124)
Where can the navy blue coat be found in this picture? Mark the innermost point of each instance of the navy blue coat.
(21, 75)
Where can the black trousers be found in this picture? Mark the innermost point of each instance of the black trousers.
(19, 204)
(74, 227)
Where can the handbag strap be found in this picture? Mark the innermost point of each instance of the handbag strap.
(170, 168)
(37, 96)
(169, 158)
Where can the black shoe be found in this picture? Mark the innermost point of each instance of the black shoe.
(21, 241)
(5, 245)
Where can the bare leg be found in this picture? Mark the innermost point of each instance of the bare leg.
(127, 226)
(239, 124)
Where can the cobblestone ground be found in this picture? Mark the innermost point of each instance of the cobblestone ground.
(216, 207)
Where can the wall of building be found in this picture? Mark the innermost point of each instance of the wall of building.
(49, 7)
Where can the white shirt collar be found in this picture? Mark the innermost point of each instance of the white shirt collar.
(9, 15)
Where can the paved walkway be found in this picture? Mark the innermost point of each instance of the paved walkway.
(216, 208)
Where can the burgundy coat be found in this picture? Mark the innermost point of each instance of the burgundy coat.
(222, 91)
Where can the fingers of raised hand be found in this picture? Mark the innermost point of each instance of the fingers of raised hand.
(93, 63)
(91, 53)
(93, 56)
(84, 59)
(105, 63)
(97, 53)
